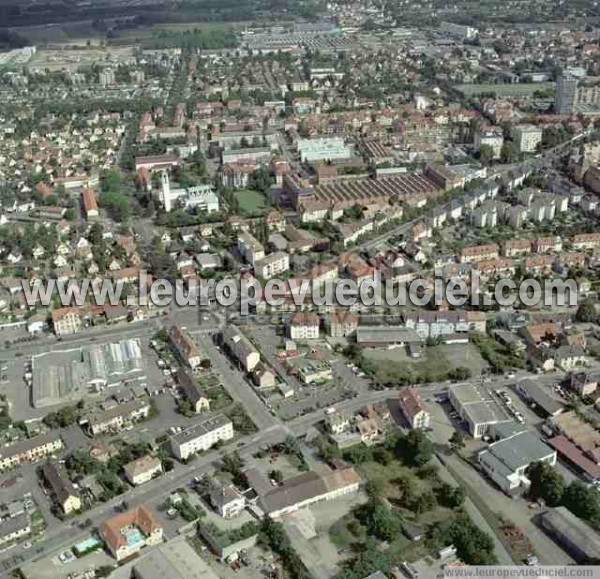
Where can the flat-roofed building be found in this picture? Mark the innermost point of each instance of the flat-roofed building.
(506, 460)
(373, 336)
(250, 248)
(201, 436)
(273, 264)
(477, 408)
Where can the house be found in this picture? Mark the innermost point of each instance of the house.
(586, 241)
(304, 326)
(142, 470)
(128, 533)
(240, 347)
(569, 357)
(310, 370)
(412, 408)
(62, 489)
(185, 347)
(192, 391)
(337, 422)
(517, 247)
(507, 460)
(583, 383)
(227, 500)
(90, 205)
(67, 321)
(29, 450)
(201, 436)
(342, 325)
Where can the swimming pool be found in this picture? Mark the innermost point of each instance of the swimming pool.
(134, 536)
(90, 543)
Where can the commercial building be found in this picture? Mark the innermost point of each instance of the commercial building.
(535, 395)
(477, 408)
(201, 436)
(115, 418)
(241, 348)
(30, 450)
(68, 375)
(310, 370)
(506, 460)
(142, 470)
(580, 540)
(324, 149)
(128, 533)
(412, 408)
(62, 489)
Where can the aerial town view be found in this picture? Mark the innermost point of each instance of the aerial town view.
(299, 289)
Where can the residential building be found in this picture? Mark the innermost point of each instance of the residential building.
(201, 436)
(90, 205)
(14, 528)
(250, 248)
(586, 241)
(227, 500)
(62, 489)
(126, 534)
(272, 265)
(142, 470)
(517, 247)
(412, 408)
(528, 138)
(192, 391)
(473, 254)
(240, 347)
(342, 325)
(566, 94)
(583, 383)
(490, 137)
(67, 321)
(304, 326)
(114, 419)
(185, 347)
(506, 460)
(30, 450)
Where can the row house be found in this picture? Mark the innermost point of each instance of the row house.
(517, 247)
(547, 244)
(539, 264)
(492, 267)
(185, 347)
(476, 253)
(30, 450)
(342, 325)
(116, 418)
(586, 241)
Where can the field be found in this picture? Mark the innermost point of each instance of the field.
(505, 90)
(250, 202)
(71, 59)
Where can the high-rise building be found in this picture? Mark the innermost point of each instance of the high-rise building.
(566, 94)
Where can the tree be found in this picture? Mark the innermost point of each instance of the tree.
(510, 152)
(276, 475)
(416, 449)
(260, 180)
(374, 488)
(584, 502)
(451, 497)
(546, 483)
(457, 440)
(586, 312)
(486, 154)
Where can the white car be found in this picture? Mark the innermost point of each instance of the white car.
(27, 545)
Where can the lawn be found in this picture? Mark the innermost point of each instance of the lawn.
(250, 202)
(389, 366)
